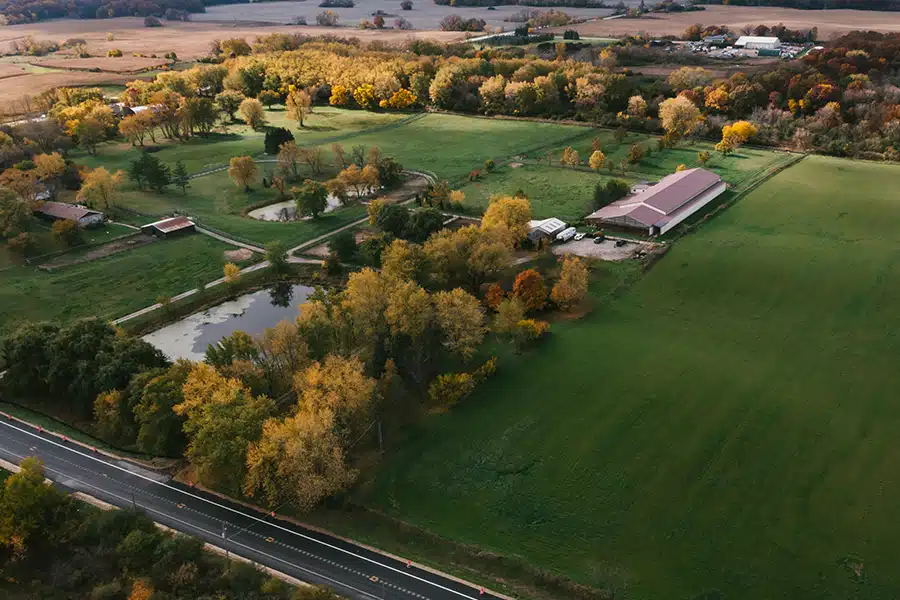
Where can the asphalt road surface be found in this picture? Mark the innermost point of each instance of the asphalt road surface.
(308, 555)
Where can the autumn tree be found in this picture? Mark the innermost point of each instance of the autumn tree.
(288, 156)
(529, 288)
(508, 214)
(509, 312)
(494, 296)
(67, 232)
(101, 188)
(637, 107)
(597, 160)
(29, 508)
(468, 255)
(703, 157)
(222, 419)
(635, 154)
(48, 167)
(134, 128)
(253, 113)
(231, 273)
(298, 106)
(313, 156)
(570, 157)
(679, 116)
(461, 321)
(572, 285)
(734, 135)
(338, 385)
(410, 314)
(403, 260)
(299, 460)
(243, 171)
(359, 180)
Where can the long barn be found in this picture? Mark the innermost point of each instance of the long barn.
(660, 207)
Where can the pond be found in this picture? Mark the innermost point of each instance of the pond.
(287, 210)
(251, 313)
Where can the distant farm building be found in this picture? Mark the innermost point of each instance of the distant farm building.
(716, 40)
(170, 227)
(56, 211)
(659, 208)
(545, 229)
(753, 42)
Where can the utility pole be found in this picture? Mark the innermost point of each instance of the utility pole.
(133, 503)
(225, 545)
(380, 438)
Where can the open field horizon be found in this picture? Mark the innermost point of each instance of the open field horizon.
(830, 23)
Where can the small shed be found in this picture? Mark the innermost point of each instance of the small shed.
(56, 211)
(544, 229)
(170, 227)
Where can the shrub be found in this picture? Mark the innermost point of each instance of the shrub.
(457, 23)
(489, 165)
(343, 245)
(327, 18)
(298, 21)
(114, 53)
(275, 137)
(152, 21)
(337, 4)
(67, 231)
(406, 5)
(378, 22)
(571, 34)
(448, 389)
(401, 23)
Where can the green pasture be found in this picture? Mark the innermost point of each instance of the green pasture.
(724, 429)
(113, 286)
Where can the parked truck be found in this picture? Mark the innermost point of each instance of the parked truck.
(566, 234)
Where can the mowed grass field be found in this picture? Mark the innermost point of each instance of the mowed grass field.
(727, 425)
(113, 286)
(557, 191)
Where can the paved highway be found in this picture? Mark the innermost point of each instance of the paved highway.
(308, 555)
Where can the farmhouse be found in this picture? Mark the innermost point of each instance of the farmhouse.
(659, 208)
(544, 229)
(169, 227)
(56, 211)
(753, 42)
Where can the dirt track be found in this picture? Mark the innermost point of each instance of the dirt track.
(831, 23)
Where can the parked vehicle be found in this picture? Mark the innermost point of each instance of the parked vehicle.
(620, 243)
(566, 234)
(579, 237)
(598, 239)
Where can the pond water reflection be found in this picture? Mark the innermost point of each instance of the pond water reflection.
(251, 313)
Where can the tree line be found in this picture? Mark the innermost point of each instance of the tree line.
(52, 546)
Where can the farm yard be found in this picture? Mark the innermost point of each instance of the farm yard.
(732, 408)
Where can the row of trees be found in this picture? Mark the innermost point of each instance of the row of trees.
(52, 546)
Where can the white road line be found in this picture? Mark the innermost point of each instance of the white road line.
(237, 512)
(198, 528)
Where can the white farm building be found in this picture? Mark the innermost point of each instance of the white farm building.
(755, 42)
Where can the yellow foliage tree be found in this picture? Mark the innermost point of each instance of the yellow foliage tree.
(340, 95)
(572, 285)
(231, 272)
(461, 321)
(243, 171)
(100, 188)
(597, 160)
(298, 105)
(679, 116)
(364, 96)
(509, 215)
(570, 157)
(49, 166)
(253, 113)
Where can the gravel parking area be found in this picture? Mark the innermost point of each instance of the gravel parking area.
(605, 250)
